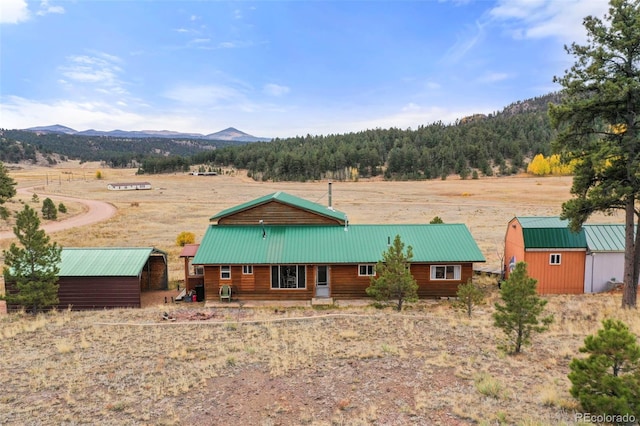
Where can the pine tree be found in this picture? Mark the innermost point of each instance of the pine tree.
(469, 296)
(518, 317)
(7, 190)
(49, 210)
(599, 126)
(393, 280)
(608, 380)
(33, 268)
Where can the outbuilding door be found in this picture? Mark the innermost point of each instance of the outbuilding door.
(322, 281)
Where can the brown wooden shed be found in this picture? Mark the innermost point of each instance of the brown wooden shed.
(99, 278)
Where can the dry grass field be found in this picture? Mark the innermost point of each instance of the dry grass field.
(337, 365)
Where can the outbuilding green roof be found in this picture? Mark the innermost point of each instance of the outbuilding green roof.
(550, 232)
(605, 237)
(104, 262)
(553, 232)
(280, 244)
(287, 199)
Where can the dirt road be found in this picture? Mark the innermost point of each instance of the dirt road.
(95, 211)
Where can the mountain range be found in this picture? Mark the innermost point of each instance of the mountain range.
(228, 134)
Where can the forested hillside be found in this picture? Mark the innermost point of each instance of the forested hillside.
(479, 144)
(20, 145)
(501, 142)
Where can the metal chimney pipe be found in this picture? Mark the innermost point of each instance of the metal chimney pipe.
(330, 205)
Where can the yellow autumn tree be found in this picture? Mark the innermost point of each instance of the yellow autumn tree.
(539, 166)
(553, 165)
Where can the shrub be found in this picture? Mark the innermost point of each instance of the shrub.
(49, 210)
(185, 237)
(62, 208)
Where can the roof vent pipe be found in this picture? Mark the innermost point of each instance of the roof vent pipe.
(330, 205)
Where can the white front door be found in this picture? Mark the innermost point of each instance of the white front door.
(322, 281)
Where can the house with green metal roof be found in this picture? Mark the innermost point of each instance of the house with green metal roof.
(108, 277)
(566, 262)
(280, 246)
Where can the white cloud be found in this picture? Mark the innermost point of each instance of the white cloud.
(204, 95)
(100, 70)
(548, 18)
(492, 77)
(46, 8)
(14, 11)
(275, 89)
(465, 43)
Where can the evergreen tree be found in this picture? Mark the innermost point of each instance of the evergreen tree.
(608, 380)
(33, 268)
(598, 123)
(436, 220)
(393, 280)
(49, 210)
(7, 190)
(518, 315)
(469, 295)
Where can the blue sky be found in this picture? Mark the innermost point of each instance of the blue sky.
(278, 69)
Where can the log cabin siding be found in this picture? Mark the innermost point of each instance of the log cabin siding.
(275, 213)
(154, 274)
(345, 283)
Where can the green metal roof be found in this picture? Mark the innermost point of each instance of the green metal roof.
(103, 262)
(542, 222)
(284, 198)
(550, 232)
(605, 237)
(333, 244)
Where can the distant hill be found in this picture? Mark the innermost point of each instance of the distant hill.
(228, 134)
(233, 134)
(499, 143)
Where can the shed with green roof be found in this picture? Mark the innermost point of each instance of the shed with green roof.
(109, 277)
(566, 262)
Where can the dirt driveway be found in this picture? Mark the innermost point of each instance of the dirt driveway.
(95, 211)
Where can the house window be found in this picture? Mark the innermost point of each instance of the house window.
(445, 272)
(554, 259)
(225, 272)
(195, 269)
(288, 276)
(366, 270)
(247, 269)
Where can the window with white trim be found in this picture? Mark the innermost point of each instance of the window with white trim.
(445, 272)
(225, 272)
(288, 276)
(247, 269)
(555, 259)
(368, 270)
